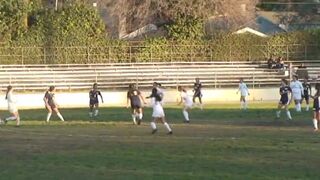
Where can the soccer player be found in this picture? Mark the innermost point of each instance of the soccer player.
(187, 103)
(134, 97)
(50, 103)
(284, 91)
(244, 92)
(297, 92)
(307, 92)
(12, 107)
(94, 100)
(316, 107)
(197, 92)
(158, 113)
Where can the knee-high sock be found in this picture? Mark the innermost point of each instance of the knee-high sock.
(140, 116)
(153, 125)
(48, 116)
(167, 126)
(307, 107)
(289, 115)
(245, 104)
(298, 107)
(18, 120)
(96, 112)
(278, 113)
(11, 118)
(134, 118)
(315, 124)
(60, 116)
(186, 115)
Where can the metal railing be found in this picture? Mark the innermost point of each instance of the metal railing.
(169, 53)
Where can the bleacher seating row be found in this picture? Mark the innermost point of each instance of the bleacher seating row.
(75, 77)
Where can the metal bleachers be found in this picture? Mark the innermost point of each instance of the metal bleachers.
(75, 77)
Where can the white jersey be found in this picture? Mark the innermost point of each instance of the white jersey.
(297, 90)
(158, 111)
(243, 89)
(12, 107)
(186, 99)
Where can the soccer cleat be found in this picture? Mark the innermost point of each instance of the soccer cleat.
(154, 131)
(170, 133)
(186, 121)
(139, 121)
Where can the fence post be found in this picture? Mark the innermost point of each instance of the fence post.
(253, 80)
(215, 80)
(151, 54)
(88, 54)
(44, 55)
(305, 52)
(287, 52)
(130, 53)
(230, 52)
(22, 54)
(109, 54)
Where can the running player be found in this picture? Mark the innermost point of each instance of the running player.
(12, 107)
(316, 107)
(297, 92)
(158, 113)
(244, 92)
(187, 103)
(307, 92)
(134, 97)
(94, 100)
(50, 103)
(284, 91)
(197, 92)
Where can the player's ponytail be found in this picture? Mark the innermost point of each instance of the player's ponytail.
(8, 90)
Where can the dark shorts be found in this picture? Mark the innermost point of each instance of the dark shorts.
(316, 109)
(93, 102)
(197, 94)
(136, 105)
(306, 97)
(284, 101)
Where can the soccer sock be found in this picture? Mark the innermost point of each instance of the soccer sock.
(278, 113)
(134, 118)
(245, 105)
(48, 116)
(167, 126)
(308, 107)
(153, 125)
(11, 118)
(315, 124)
(18, 120)
(289, 115)
(90, 114)
(186, 115)
(140, 116)
(60, 116)
(96, 112)
(298, 107)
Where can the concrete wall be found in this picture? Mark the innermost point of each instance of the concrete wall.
(81, 99)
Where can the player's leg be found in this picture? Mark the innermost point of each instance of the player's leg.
(49, 109)
(18, 118)
(140, 115)
(133, 115)
(200, 101)
(288, 112)
(166, 125)
(278, 113)
(91, 110)
(56, 110)
(96, 109)
(153, 125)
(298, 105)
(242, 100)
(315, 120)
(307, 103)
(186, 114)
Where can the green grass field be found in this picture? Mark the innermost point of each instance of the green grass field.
(222, 142)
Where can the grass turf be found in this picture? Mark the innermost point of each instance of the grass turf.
(222, 142)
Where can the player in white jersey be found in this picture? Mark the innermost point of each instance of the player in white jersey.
(184, 98)
(244, 92)
(297, 92)
(12, 107)
(158, 112)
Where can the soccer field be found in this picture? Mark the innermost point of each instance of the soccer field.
(221, 142)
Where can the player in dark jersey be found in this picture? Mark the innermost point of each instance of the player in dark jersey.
(284, 91)
(316, 107)
(50, 103)
(306, 92)
(94, 100)
(197, 92)
(135, 98)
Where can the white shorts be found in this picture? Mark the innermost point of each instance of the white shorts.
(189, 105)
(12, 109)
(297, 96)
(158, 111)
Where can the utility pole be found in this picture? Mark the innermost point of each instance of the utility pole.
(56, 5)
(25, 15)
